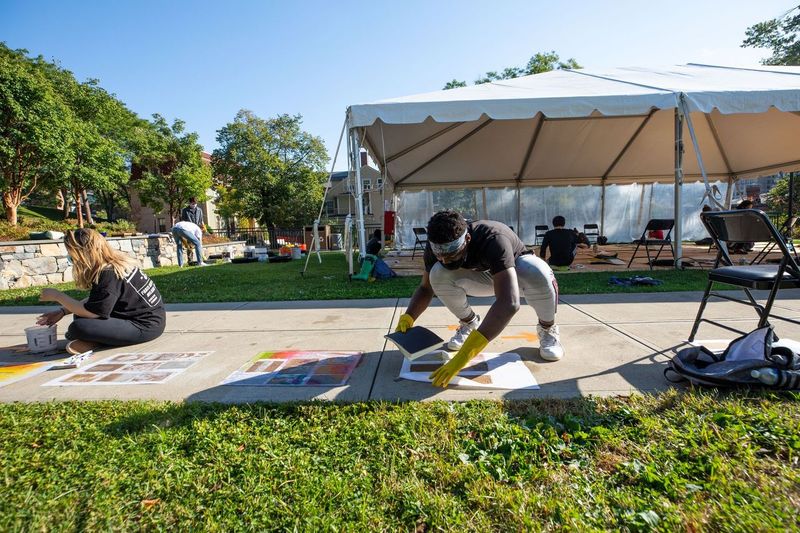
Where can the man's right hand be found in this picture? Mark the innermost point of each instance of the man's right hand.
(405, 322)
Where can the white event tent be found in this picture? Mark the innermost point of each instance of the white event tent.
(586, 127)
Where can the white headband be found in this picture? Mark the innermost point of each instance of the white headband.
(449, 247)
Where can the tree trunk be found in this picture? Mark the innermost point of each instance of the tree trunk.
(78, 207)
(60, 202)
(65, 194)
(10, 204)
(88, 208)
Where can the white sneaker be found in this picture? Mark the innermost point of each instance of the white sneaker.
(463, 332)
(203, 264)
(549, 346)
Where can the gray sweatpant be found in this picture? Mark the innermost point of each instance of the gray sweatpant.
(536, 283)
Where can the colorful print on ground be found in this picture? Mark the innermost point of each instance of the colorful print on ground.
(297, 368)
(13, 372)
(131, 369)
(484, 371)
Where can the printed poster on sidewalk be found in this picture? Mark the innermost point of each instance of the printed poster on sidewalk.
(485, 371)
(131, 369)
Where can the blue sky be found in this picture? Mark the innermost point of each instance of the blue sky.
(202, 61)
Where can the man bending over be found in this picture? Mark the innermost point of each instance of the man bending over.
(483, 258)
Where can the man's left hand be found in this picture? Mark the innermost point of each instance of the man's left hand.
(471, 347)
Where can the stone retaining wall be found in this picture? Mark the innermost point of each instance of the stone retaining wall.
(33, 263)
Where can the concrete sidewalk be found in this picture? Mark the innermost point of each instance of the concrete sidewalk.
(616, 344)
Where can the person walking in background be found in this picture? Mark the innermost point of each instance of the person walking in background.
(562, 242)
(123, 307)
(192, 233)
(192, 213)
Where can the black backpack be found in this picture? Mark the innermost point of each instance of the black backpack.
(758, 358)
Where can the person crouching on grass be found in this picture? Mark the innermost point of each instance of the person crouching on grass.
(123, 307)
(482, 258)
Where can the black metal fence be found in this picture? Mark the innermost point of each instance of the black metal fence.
(267, 237)
(274, 238)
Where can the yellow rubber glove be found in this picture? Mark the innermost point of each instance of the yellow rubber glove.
(471, 347)
(404, 323)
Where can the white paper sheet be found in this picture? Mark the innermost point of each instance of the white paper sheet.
(130, 369)
(485, 371)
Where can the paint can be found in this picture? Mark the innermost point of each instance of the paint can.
(297, 253)
(42, 338)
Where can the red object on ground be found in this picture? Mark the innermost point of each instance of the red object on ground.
(303, 247)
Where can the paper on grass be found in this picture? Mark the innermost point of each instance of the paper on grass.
(485, 371)
(131, 369)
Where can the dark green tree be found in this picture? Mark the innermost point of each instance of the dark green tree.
(172, 169)
(778, 196)
(270, 170)
(781, 35)
(538, 63)
(35, 129)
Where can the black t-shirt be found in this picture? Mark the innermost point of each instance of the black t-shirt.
(373, 246)
(135, 298)
(492, 246)
(562, 243)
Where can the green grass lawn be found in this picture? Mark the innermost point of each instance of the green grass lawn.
(329, 281)
(674, 462)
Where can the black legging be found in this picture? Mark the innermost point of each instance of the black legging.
(111, 331)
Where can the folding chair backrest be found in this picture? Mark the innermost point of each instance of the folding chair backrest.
(421, 234)
(542, 229)
(663, 224)
(745, 225)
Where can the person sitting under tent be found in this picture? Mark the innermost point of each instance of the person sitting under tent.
(562, 242)
(374, 245)
(742, 247)
(482, 258)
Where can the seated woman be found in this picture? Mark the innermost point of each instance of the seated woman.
(123, 307)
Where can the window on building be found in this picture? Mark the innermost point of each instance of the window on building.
(367, 184)
(162, 225)
(330, 207)
(379, 183)
(367, 204)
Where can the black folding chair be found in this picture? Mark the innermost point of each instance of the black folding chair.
(420, 239)
(786, 231)
(746, 225)
(655, 224)
(540, 231)
(592, 232)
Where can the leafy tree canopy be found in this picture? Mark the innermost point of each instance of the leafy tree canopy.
(35, 131)
(781, 35)
(270, 170)
(172, 165)
(538, 63)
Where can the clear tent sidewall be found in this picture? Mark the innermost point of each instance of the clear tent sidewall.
(627, 207)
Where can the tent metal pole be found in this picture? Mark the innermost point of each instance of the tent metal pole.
(519, 211)
(356, 157)
(678, 185)
(729, 192)
(602, 207)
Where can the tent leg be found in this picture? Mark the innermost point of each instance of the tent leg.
(603, 207)
(356, 162)
(678, 228)
(729, 192)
